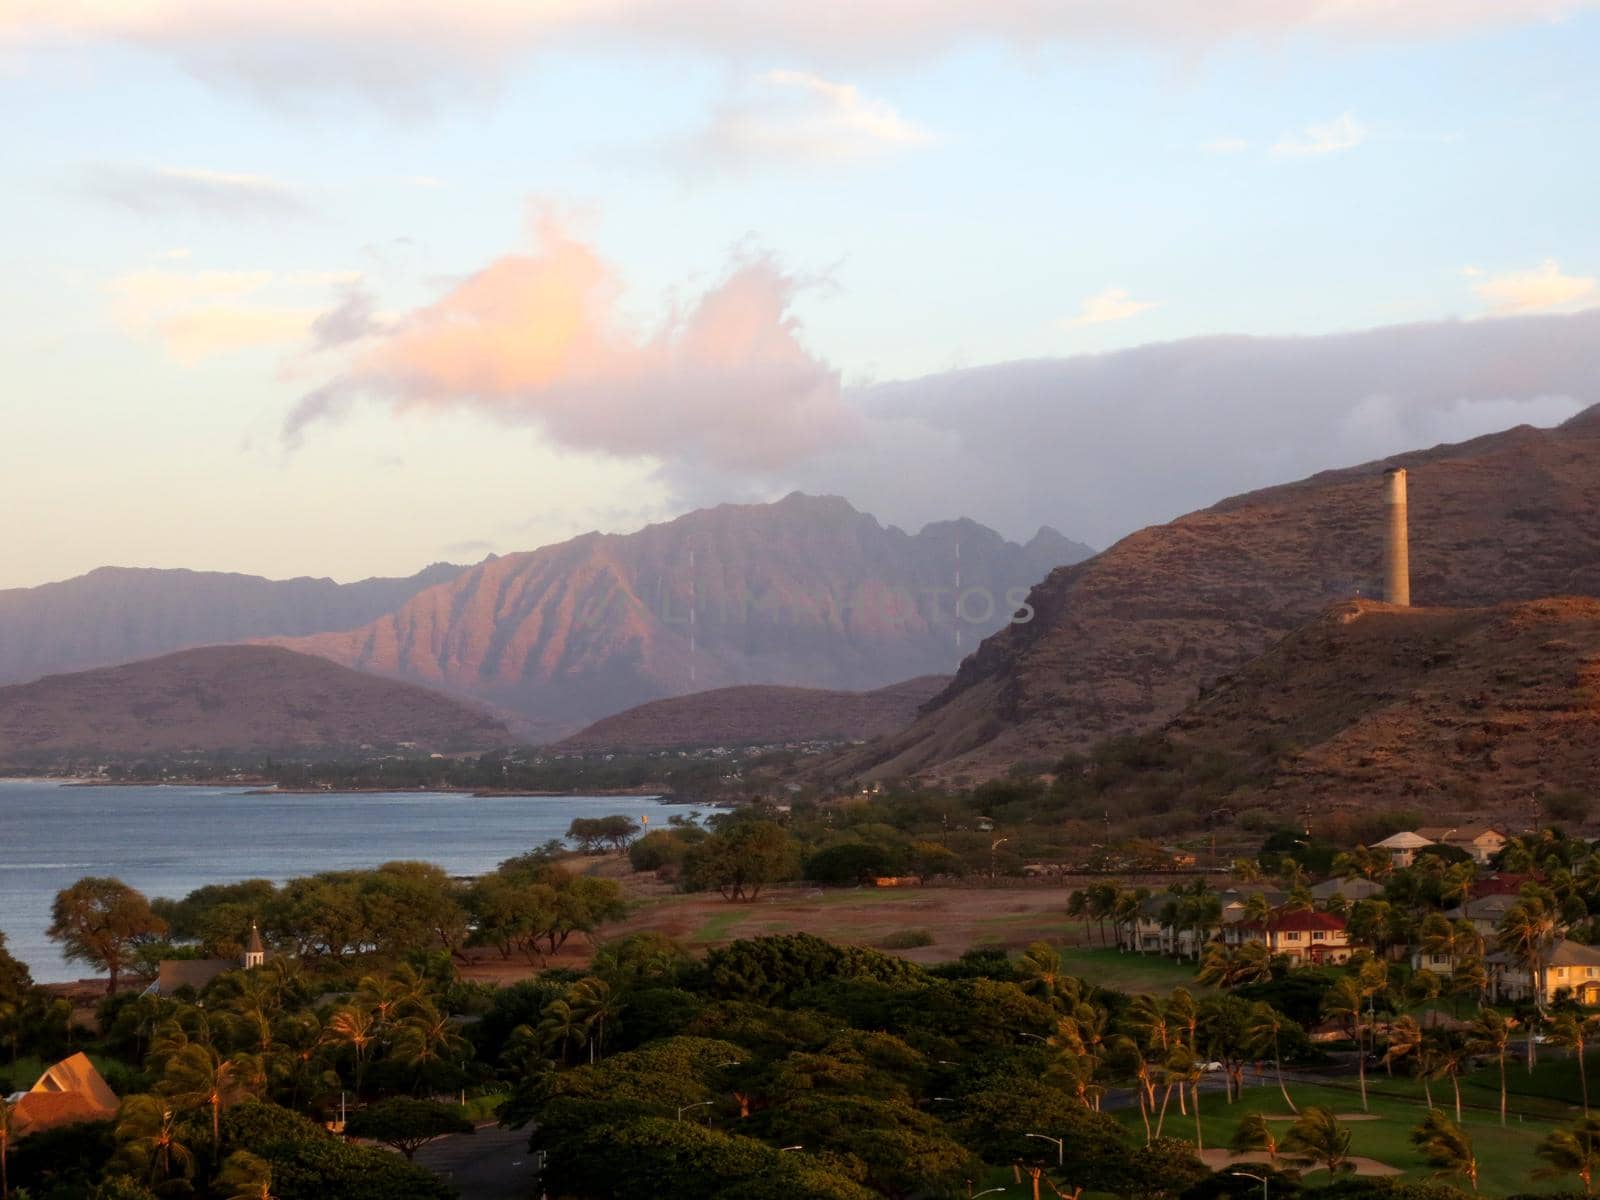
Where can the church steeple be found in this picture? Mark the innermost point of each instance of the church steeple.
(255, 954)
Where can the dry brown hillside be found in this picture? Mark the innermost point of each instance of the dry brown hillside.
(232, 698)
(1446, 711)
(1123, 642)
(759, 714)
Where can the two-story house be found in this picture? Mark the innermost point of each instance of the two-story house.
(1307, 938)
(1573, 970)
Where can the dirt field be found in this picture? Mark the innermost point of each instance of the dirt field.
(957, 919)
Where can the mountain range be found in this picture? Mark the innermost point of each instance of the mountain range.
(758, 714)
(119, 614)
(1125, 641)
(221, 698)
(805, 592)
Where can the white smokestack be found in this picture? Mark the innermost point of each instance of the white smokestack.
(1397, 545)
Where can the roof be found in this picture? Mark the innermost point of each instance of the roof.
(1458, 833)
(68, 1093)
(1405, 840)
(175, 973)
(1350, 889)
(1503, 883)
(255, 946)
(1574, 954)
(1301, 922)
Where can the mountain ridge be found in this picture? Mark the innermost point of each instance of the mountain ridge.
(1122, 642)
(806, 591)
(232, 698)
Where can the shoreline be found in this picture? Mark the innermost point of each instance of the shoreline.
(265, 787)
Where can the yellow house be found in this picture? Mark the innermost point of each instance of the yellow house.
(1573, 971)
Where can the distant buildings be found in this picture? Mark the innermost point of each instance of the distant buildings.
(1402, 848)
(1482, 842)
(197, 973)
(1572, 970)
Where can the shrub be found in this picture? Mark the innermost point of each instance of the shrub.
(907, 939)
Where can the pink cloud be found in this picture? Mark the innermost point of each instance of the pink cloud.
(536, 338)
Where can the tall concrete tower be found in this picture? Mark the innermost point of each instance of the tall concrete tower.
(1397, 542)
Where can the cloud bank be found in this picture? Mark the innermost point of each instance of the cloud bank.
(796, 117)
(538, 338)
(394, 48)
(1104, 444)
(187, 190)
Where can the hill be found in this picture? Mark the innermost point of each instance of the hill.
(804, 592)
(1462, 713)
(758, 714)
(231, 698)
(119, 614)
(1123, 642)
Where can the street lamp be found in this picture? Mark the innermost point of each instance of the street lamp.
(1261, 1179)
(987, 1192)
(786, 1149)
(685, 1108)
(1061, 1145)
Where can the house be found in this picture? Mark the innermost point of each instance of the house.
(70, 1093)
(1151, 933)
(1402, 847)
(1504, 883)
(197, 973)
(1484, 912)
(1349, 890)
(1314, 938)
(1482, 842)
(1236, 900)
(1573, 971)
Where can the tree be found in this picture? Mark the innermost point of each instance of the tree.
(1491, 1034)
(1265, 1031)
(100, 921)
(1345, 1004)
(149, 1141)
(1253, 1133)
(1574, 1150)
(1569, 1029)
(1318, 1137)
(742, 859)
(245, 1177)
(196, 1077)
(5, 1149)
(406, 1124)
(1447, 1147)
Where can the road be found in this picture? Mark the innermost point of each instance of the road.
(492, 1164)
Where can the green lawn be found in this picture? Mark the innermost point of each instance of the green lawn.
(1505, 1155)
(1123, 972)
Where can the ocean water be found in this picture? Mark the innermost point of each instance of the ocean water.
(167, 841)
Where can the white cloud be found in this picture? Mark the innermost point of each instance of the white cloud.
(1344, 132)
(196, 315)
(399, 50)
(1113, 304)
(1225, 145)
(799, 117)
(154, 190)
(1542, 289)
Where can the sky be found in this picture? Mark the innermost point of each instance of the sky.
(342, 290)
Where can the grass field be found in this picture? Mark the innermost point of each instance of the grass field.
(1123, 972)
(1506, 1155)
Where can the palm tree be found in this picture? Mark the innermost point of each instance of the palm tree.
(1449, 1057)
(1491, 1034)
(1344, 1003)
(1319, 1138)
(355, 1026)
(1527, 932)
(197, 1077)
(1572, 1029)
(148, 1136)
(1447, 1147)
(1405, 1037)
(1041, 973)
(245, 1177)
(428, 1037)
(1574, 1150)
(1266, 1030)
(1255, 1132)
(594, 1001)
(5, 1149)
(561, 1026)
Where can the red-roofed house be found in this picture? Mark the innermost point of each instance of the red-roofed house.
(1305, 937)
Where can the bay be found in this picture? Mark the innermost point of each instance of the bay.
(167, 841)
